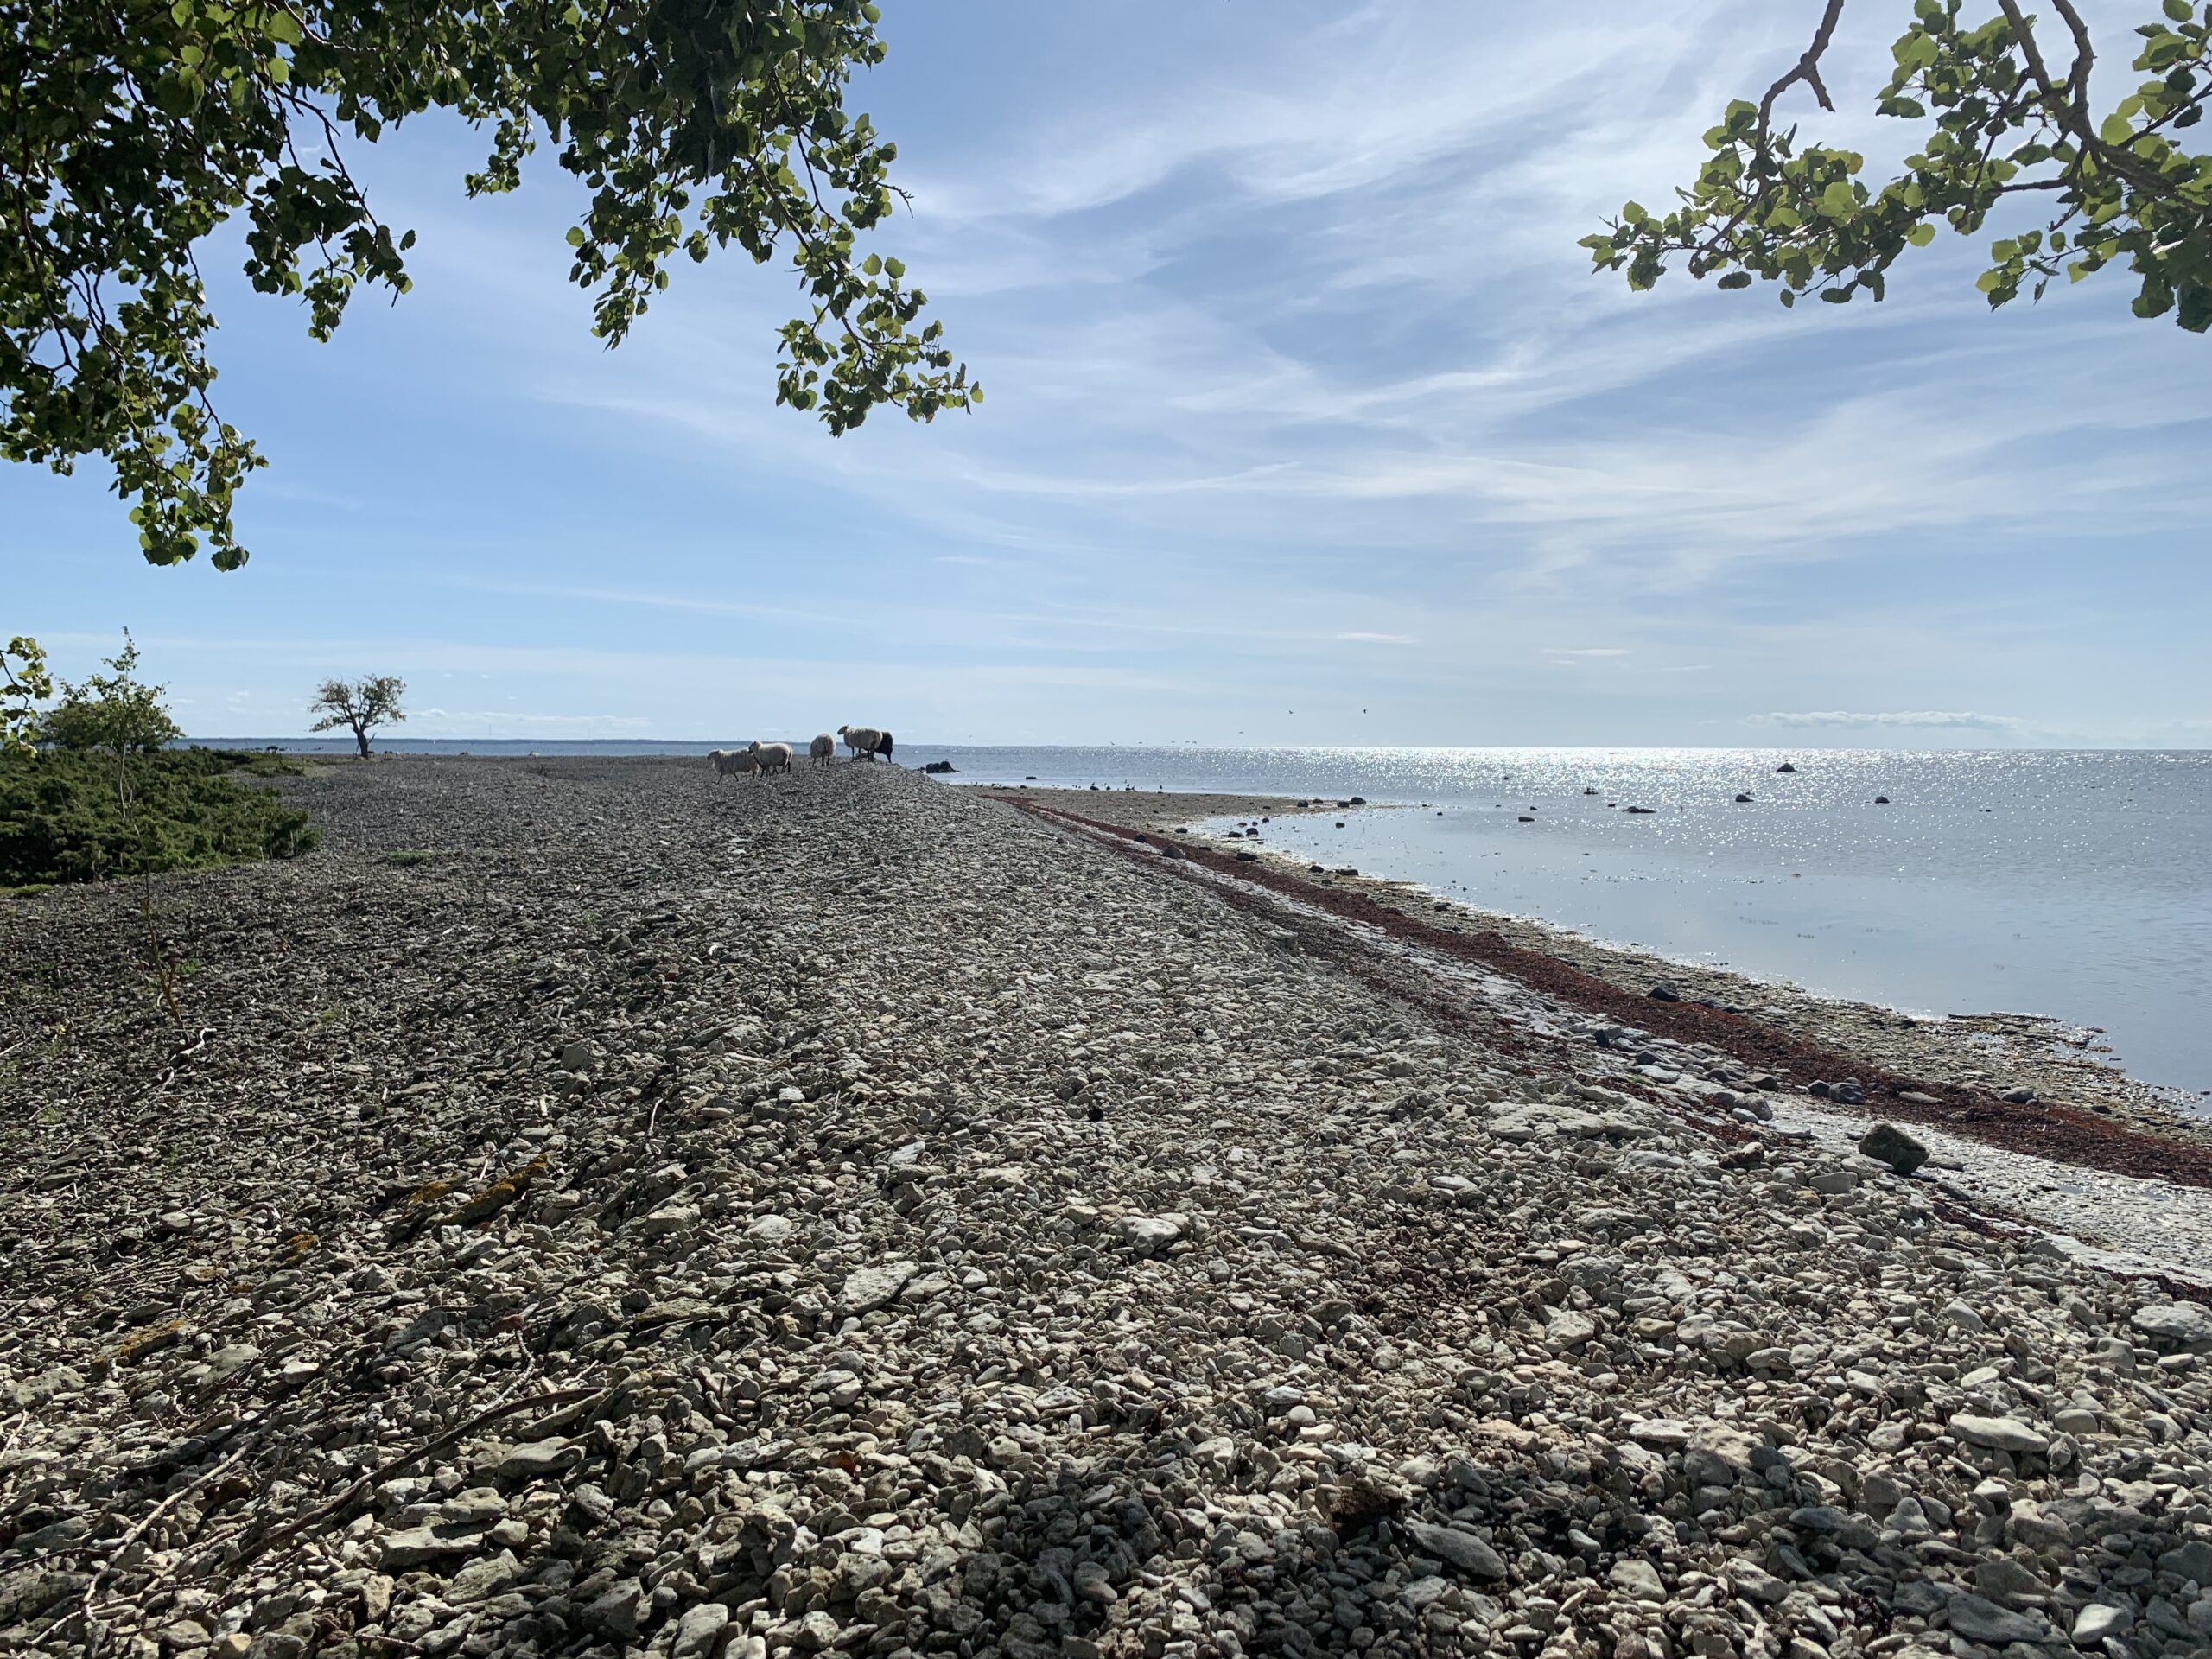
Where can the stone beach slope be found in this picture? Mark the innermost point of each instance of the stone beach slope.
(1992, 1054)
(597, 1208)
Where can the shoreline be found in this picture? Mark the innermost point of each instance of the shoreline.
(1991, 1052)
(597, 1207)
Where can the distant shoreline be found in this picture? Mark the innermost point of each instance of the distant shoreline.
(1991, 1052)
(398, 742)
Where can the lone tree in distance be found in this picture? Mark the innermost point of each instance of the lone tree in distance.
(362, 706)
(2007, 113)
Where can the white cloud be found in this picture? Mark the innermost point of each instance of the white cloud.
(494, 723)
(1923, 719)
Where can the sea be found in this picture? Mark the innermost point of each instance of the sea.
(2075, 885)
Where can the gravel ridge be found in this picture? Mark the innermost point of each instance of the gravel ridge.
(599, 1208)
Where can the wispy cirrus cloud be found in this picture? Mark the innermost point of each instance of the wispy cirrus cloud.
(1928, 720)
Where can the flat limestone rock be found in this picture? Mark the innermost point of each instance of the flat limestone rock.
(1639, 1580)
(2186, 1324)
(1457, 1548)
(866, 1289)
(1149, 1234)
(538, 1461)
(424, 1546)
(1979, 1619)
(1565, 1328)
(1999, 1433)
(1537, 1122)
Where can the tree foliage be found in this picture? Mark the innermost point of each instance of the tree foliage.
(24, 684)
(2008, 113)
(360, 707)
(131, 130)
(116, 714)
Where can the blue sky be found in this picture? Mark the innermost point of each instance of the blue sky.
(1305, 424)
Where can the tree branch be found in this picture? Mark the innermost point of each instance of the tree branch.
(1808, 69)
(2085, 55)
(2072, 113)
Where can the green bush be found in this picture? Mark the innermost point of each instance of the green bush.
(61, 818)
(115, 711)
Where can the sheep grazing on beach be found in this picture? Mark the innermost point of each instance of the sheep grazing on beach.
(862, 741)
(730, 761)
(824, 748)
(770, 757)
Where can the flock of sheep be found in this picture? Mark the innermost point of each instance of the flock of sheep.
(865, 741)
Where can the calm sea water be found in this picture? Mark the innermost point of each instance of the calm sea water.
(2072, 884)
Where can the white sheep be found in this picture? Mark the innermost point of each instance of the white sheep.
(770, 757)
(823, 747)
(862, 740)
(729, 761)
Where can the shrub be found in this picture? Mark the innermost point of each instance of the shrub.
(115, 711)
(62, 820)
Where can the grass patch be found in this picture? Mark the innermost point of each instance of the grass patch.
(60, 818)
(407, 860)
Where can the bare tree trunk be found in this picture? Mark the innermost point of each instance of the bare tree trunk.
(361, 737)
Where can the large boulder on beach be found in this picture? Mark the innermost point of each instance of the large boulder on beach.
(1886, 1143)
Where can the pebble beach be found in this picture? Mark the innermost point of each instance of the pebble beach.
(593, 1207)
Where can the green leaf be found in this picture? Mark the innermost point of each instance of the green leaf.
(2179, 11)
(1838, 200)
(576, 236)
(1920, 234)
(1737, 279)
(872, 265)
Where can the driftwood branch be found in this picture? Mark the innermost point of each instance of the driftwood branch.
(506, 1409)
(93, 1630)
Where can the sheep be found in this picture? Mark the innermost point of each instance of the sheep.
(862, 741)
(728, 761)
(884, 747)
(823, 747)
(770, 757)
